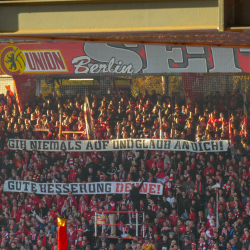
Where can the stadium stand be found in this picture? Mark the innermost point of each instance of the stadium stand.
(184, 217)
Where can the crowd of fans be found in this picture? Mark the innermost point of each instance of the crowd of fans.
(184, 217)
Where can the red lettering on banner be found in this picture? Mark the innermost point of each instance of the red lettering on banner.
(122, 187)
(29, 58)
(117, 185)
(44, 61)
(50, 60)
(158, 189)
(152, 188)
(127, 187)
(58, 60)
(38, 61)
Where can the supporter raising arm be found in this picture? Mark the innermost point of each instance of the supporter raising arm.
(134, 196)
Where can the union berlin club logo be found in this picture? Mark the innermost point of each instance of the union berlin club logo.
(14, 61)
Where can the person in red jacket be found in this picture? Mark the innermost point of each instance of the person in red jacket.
(150, 162)
(71, 199)
(82, 206)
(94, 208)
(72, 174)
(71, 236)
(15, 214)
(26, 205)
(42, 238)
(157, 240)
(209, 169)
(159, 162)
(87, 214)
(22, 229)
(181, 227)
(160, 175)
(174, 217)
(212, 120)
(192, 216)
(162, 218)
(153, 205)
(59, 201)
(54, 244)
(54, 212)
(36, 200)
(78, 240)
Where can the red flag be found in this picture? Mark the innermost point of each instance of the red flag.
(62, 234)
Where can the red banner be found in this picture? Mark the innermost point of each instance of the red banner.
(41, 57)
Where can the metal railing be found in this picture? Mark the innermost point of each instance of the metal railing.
(102, 213)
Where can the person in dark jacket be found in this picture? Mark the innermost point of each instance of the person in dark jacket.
(246, 238)
(187, 244)
(120, 245)
(183, 203)
(222, 243)
(165, 244)
(134, 196)
(96, 243)
(13, 226)
(104, 246)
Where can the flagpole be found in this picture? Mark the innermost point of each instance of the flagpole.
(86, 119)
(245, 110)
(160, 124)
(60, 127)
(118, 132)
(229, 124)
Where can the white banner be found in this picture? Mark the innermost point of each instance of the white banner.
(80, 188)
(119, 144)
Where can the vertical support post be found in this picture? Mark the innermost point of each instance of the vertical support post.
(136, 219)
(221, 15)
(95, 224)
(118, 214)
